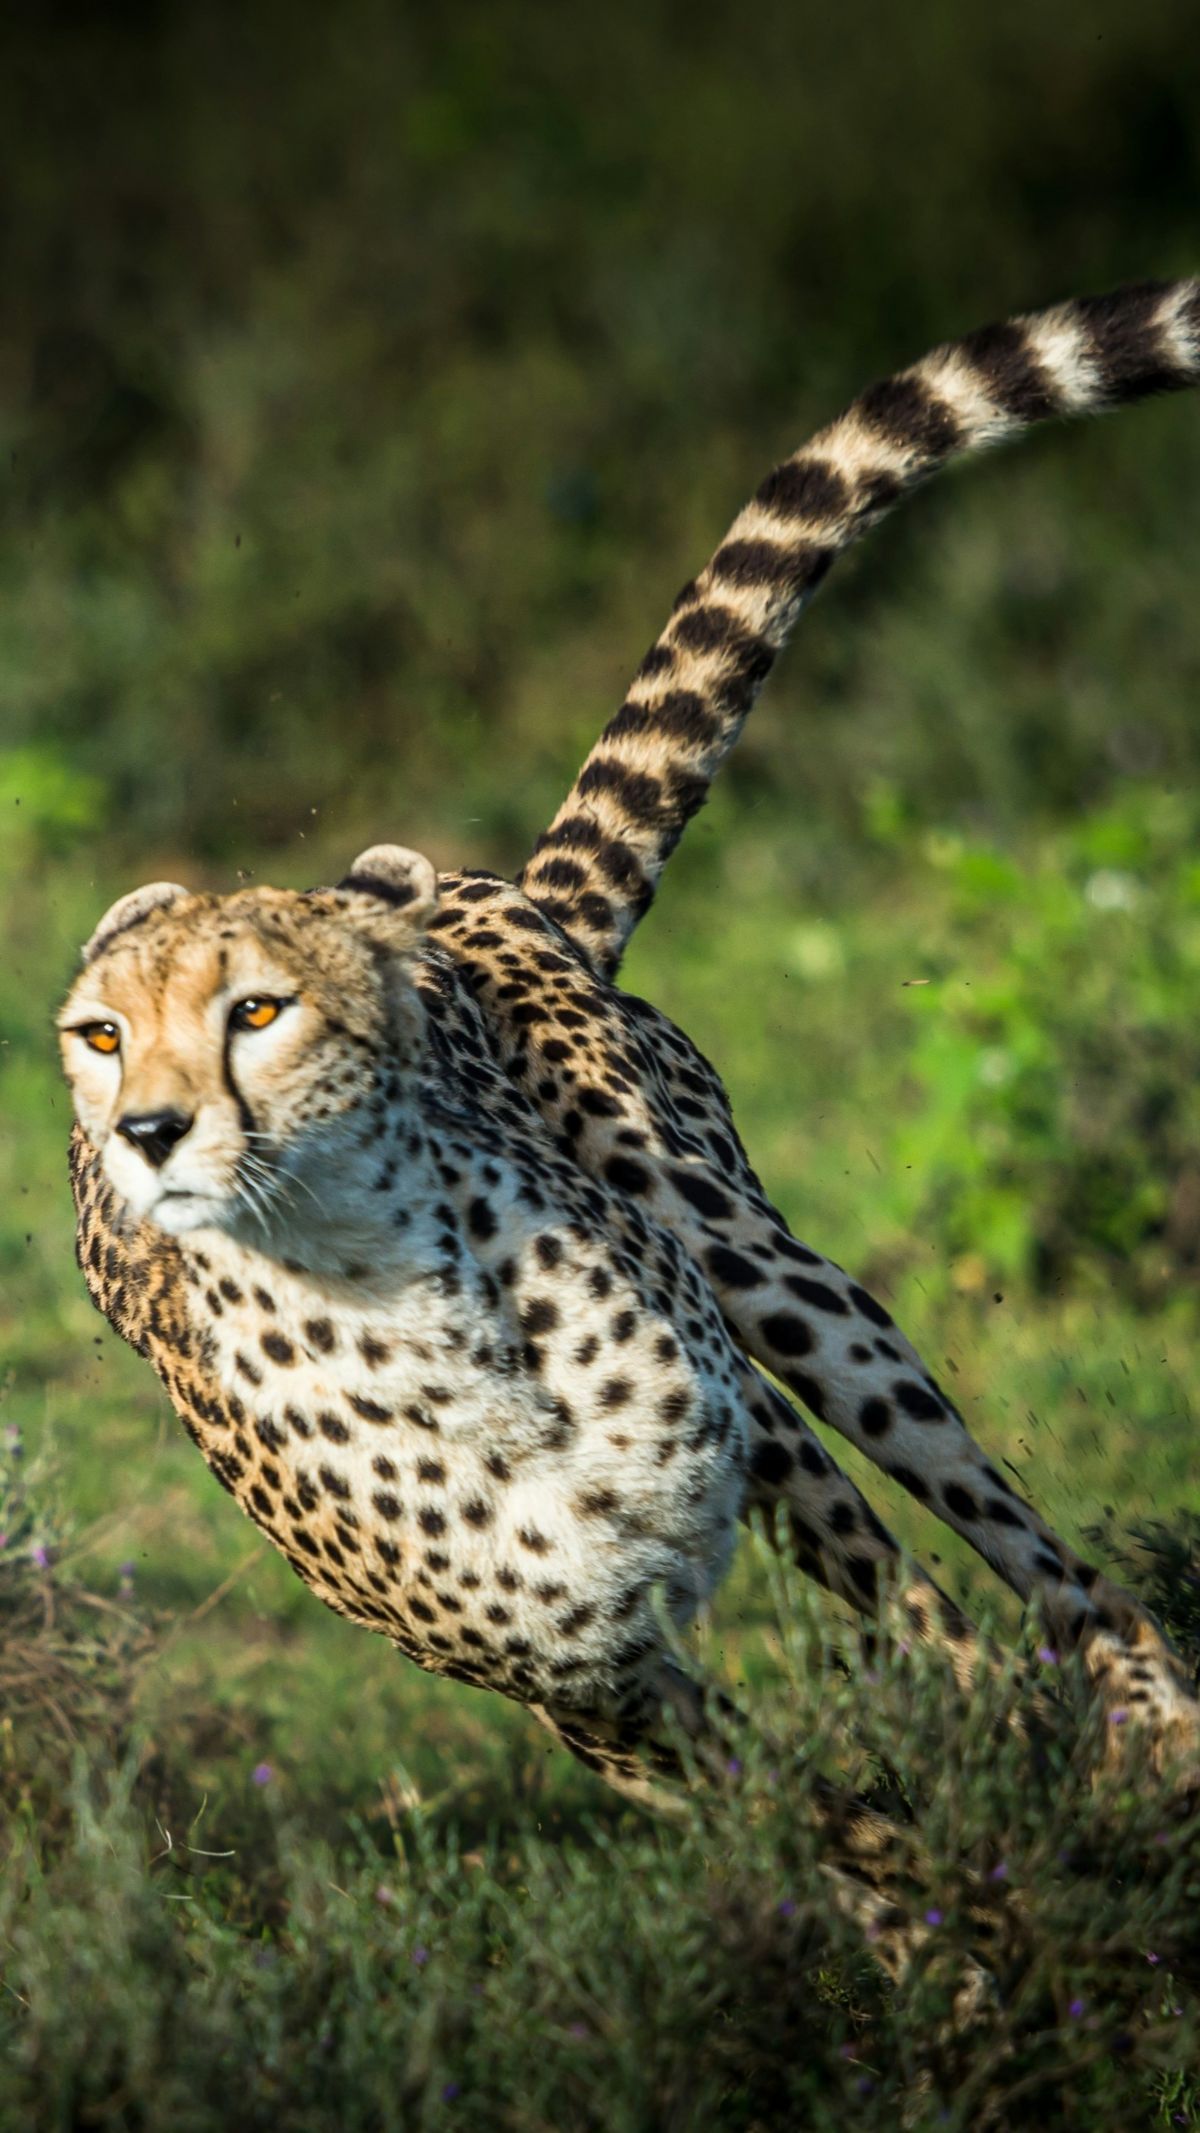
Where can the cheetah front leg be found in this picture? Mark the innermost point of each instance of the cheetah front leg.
(838, 1349)
(836, 1537)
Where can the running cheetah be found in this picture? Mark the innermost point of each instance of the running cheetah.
(448, 1252)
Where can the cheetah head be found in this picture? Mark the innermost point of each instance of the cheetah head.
(224, 1052)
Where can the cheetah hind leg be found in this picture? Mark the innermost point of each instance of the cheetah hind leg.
(867, 1852)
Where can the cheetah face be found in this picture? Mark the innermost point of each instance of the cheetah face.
(222, 1050)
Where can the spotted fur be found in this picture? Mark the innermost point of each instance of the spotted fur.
(457, 1272)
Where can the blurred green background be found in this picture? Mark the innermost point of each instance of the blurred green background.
(370, 378)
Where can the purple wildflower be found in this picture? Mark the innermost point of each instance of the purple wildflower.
(1151, 1957)
(420, 1957)
(933, 1916)
(450, 2091)
(1000, 1871)
(787, 1908)
(733, 1766)
(1117, 1718)
(41, 1556)
(1047, 1655)
(578, 2029)
(1076, 2009)
(261, 1774)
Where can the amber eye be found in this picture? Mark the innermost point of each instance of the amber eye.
(102, 1036)
(254, 1014)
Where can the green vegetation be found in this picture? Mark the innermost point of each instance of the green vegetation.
(367, 384)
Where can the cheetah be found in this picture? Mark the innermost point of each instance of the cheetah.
(447, 1251)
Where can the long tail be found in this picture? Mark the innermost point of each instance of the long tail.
(596, 868)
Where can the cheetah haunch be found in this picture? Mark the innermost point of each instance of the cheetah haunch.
(448, 1253)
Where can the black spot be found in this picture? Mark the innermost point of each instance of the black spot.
(615, 1392)
(908, 414)
(863, 1575)
(431, 1521)
(804, 488)
(771, 1462)
(960, 1501)
(639, 796)
(319, 1332)
(333, 1427)
(808, 1390)
(596, 1503)
(658, 660)
(734, 1269)
(923, 1406)
(1010, 371)
(536, 1542)
(909, 1479)
(1002, 1514)
(868, 1306)
(875, 1417)
(539, 1316)
(627, 1176)
(480, 1220)
(816, 1293)
(387, 1505)
(702, 1194)
(843, 1518)
(800, 565)
(788, 1334)
(370, 1410)
(1125, 343)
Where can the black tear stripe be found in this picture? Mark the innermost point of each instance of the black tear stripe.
(654, 762)
(245, 1115)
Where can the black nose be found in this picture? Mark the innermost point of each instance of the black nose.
(153, 1133)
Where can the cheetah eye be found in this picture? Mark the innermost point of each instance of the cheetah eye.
(102, 1036)
(255, 1013)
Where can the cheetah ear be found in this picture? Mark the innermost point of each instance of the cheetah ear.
(403, 882)
(130, 911)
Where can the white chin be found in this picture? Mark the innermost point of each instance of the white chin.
(180, 1212)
